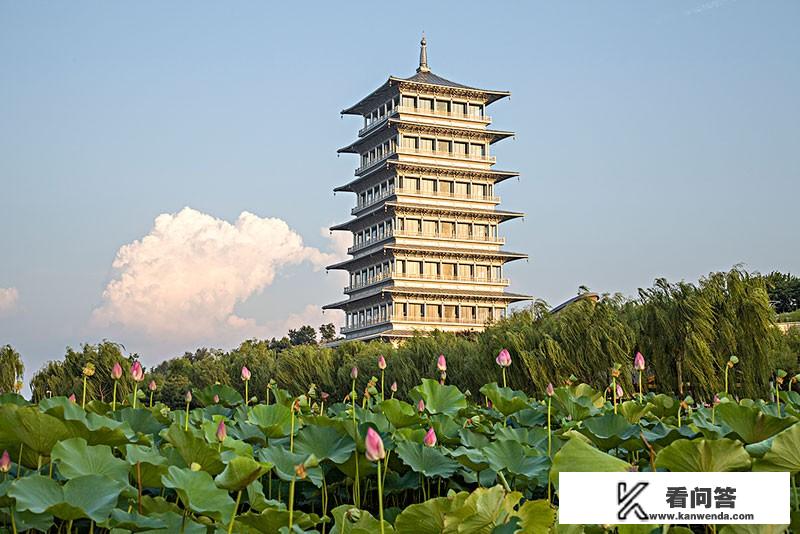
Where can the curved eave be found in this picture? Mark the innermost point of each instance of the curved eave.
(503, 215)
(496, 135)
(498, 175)
(365, 104)
(503, 254)
(462, 293)
(491, 94)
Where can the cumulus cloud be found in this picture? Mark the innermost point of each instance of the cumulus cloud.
(9, 296)
(183, 280)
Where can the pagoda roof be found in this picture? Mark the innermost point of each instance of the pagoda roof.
(423, 77)
(424, 249)
(492, 135)
(448, 170)
(464, 293)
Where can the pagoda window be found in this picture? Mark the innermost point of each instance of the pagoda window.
(459, 148)
(484, 314)
(481, 231)
(428, 185)
(493, 230)
(462, 189)
(459, 108)
(447, 228)
(414, 267)
(433, 311)
(415, 311)
(450, 311)
(478, 150)
(476, 110)
(466, 271)
(410, 142)
(400, 266)
(431, 268)
(429, 227)
(443, 106)
(468, 312)
(389, 227)
(446, 187)
(497, 272)
(444, 146)
(482, 272)
(463, 230)
(426, 144)
(413, 226)
(426, 104)
(479, 190)
(409, 101)
(499, 313)
(448, 271)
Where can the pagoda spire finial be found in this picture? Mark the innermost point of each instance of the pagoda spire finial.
(423, 55)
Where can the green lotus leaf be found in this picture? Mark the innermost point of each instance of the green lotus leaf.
(426, 517)
(284, 463)
(662, 405)
(27, 521)
(577, 455)
(578, 408)
(482, 511)
(90, 496)
(505, 400)
(536, 517)
(751, 529)
(152, 465)
(38, 432)
(633, 411)
(516, 459)
(400, 414)
(663, 435)
(273, 420)
(240, 472)
(426, 460)
(609, 430)
(227, 395)
(75, 458)
(350, 520)
(133, 521)
(197, 491)
(784, 454)
(325, 442)
(439, 398)
(271, 520)
(529, 436)
(703, 455)
(532, 417)
(142, 421)
(194, 449)
(13, 398)
(751, 424)
(474, 459)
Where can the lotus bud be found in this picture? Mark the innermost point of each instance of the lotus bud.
(503, 358)
(619, 391)
(188, 397)
(571, 380)
(72, 398)
(421, 406)
(245, 373)
(17, 386)
(430, 438)
(88, 369)
(393, 387)
(137, 373)
(441, 363)
(222, 432)
(195, 466)
(381, 363)
(354, 373)
(152, 385)
(216, 399)
(5, 462)
(324, 396)
(549, 390)
(374, 446)
(638, 362)
(116, 371)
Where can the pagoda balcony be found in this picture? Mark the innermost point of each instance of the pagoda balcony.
(454, 237)
(424, 277)
(372, 200)
(443, 154)
(369, 242)
(372, 163)
(419, 192)
(375, 321)
(443, 114)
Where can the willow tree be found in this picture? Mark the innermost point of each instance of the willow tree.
(11, 369)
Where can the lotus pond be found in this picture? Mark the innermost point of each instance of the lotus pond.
(441, 461)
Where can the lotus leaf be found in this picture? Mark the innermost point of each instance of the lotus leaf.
(75, 458)
(240, 472)
(439, 398)
(505, 400)
(704, 455)
(197, 491)
(577, 455)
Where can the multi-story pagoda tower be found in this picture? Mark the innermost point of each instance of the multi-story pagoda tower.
(426, 250)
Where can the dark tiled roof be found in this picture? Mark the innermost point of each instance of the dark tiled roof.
(432, 79)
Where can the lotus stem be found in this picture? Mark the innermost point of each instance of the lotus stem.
(380, 495)
(641, 397)
(246, 393)
(135, 393)
(236, 508)
(726, 379)
(383, 396)
(114, 398)
(291, 503)
(13, 521)
(139, 484)
(291, 433)
(151, 399)
(778, 395)
(504, 377)
(356, 489)
(19, 462)
(83, 398)
(614, 392)
(679, 416)
(186, 423)
(324, 500)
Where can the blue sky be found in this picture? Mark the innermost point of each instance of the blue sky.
(653, 139)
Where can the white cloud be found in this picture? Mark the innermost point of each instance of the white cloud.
(183, 280)
(9, 296)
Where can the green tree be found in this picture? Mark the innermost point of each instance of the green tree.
(784, 291)
(11, 369)
(327, 332)
(305, 335)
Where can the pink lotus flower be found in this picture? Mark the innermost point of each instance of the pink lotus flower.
(550, 391)
(324, 396)
(381, 363)
(116, 371)
(354, 373)
(137, 372)
(716, 399)
(152, 385)
(72, 398)
(374, 446)
(393, 387)
(620, 393)
(503, 358)
(638, 362)
(430, 438)
(421, 406)
(245, 373)
(216, 399)
(222, 432)
(5, 462)
(441, 363)
(188, 397)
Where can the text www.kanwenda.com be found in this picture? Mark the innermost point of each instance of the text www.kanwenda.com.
(680, 516)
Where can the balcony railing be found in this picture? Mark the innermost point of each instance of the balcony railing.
(425, 277)
(372, 200)
(368, 165)
(446, 194)
(441, 153)
(440, 235)
(447, 114)
(374, 321)
(369, 242)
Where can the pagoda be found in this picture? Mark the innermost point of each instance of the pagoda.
(426, 251)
